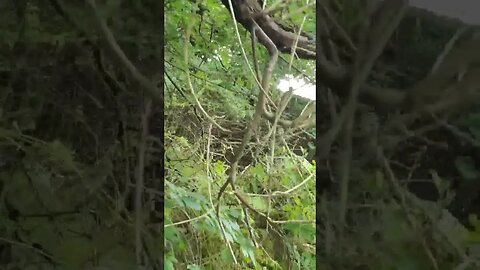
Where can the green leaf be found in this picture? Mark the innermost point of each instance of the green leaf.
(395, 226)
(44, 233)
(169, 261)
(246, 246)
(97, 175)
(258, 171)
(258, 203)
(60, 155)
(171, 234)
(473, 123)
(187, 171)
(407, 263)
(466, 168)
(224, 55)
(191, 203)
(119, 257)
(20, 193)
(104, 238)
(226, 256)
(218, 167)
(307, 232)
(74, 252)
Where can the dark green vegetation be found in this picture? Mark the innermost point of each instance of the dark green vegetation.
(407, 159)
(199, 154)
(69, 135)
(80, 129)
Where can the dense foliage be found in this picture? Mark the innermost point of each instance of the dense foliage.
(197, 153)
(85, 151)
(411, 189)
(69, 132)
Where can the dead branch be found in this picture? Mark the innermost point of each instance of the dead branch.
(113, 47)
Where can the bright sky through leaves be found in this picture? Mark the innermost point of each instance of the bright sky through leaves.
(300, 87)
(465, 10)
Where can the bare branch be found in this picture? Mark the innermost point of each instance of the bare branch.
(122, 59)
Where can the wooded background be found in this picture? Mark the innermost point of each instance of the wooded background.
(100, 112)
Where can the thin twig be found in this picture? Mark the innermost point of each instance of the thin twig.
(117, 52)
(24, 245)
(295, 43)
(403, 202)
(139, 183)
(456, 131)
(448, 47)
(189, 80)
(283, 193)
(260, 85)
(204, 215)
(210, 192)
(366, 57)
(257, 117)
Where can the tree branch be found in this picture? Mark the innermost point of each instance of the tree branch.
(121, 58)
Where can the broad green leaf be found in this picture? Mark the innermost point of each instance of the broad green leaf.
(218, 167)
(226, 255)
(191, 203)
(258, 203)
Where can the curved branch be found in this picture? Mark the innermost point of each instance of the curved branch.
(250, 12)
(257, 117)
(120, 56)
